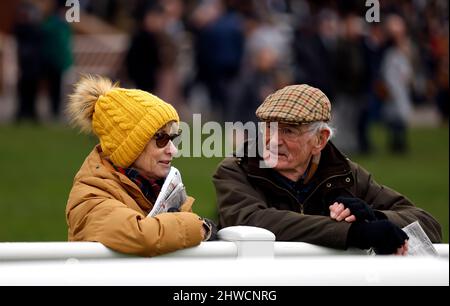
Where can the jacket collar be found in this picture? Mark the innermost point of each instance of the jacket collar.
(332, 163)
(99, 166)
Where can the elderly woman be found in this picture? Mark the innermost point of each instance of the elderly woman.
(120, 179)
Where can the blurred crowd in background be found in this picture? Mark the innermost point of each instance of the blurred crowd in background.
(221, 58)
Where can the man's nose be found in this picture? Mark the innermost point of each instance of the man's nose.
(274, 142)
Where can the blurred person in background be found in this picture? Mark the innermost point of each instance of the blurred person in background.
(56, 50)
(29, 37)
(374, 43)
(120, 180)
(313, 193)
(264, 67)
(439, 45)
(397, 74)
(177, 64)
(148, 50)
(351, 75)
(219, 46)
(314, 50)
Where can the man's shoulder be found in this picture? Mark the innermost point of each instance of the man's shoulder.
(233, 166)
(230, 162)
(226, 168)
(357, 168)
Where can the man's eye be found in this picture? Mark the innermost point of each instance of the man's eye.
(286, 131)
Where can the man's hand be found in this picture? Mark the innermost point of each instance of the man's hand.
(338, 212)
(350, 210)
(403, 250)
(382, 235)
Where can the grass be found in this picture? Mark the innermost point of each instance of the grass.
(38, 164)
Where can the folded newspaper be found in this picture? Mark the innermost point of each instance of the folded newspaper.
(172, 194)
(418, 242)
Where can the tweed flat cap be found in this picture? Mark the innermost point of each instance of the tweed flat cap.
(295, 104)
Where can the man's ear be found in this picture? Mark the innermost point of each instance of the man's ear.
(322, 139)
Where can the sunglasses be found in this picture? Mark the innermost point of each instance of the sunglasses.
(162, 139)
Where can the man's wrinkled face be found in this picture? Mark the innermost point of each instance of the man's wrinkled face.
(295, 144)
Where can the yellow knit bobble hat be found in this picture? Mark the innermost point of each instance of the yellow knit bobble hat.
(123, 119)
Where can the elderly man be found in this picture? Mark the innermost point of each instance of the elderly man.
(313, 193)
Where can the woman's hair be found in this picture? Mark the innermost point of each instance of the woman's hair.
(81, 104)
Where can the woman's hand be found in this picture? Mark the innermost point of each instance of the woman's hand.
(209, 230)
(203, 231)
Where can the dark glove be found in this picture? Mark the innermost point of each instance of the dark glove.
(173, 209)
(384, 236)
(210, 230)
(358, 208)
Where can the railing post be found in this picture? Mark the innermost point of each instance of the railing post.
(250, 241)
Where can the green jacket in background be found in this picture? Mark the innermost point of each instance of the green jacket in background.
(57, 44)
(248, 195)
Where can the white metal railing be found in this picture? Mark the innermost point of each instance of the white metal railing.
(39, 251)
(242, 256)
(235, 242)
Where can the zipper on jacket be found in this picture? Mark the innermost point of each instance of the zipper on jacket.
(284, 189)
(302, 212)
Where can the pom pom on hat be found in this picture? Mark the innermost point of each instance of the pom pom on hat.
(82, 102)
